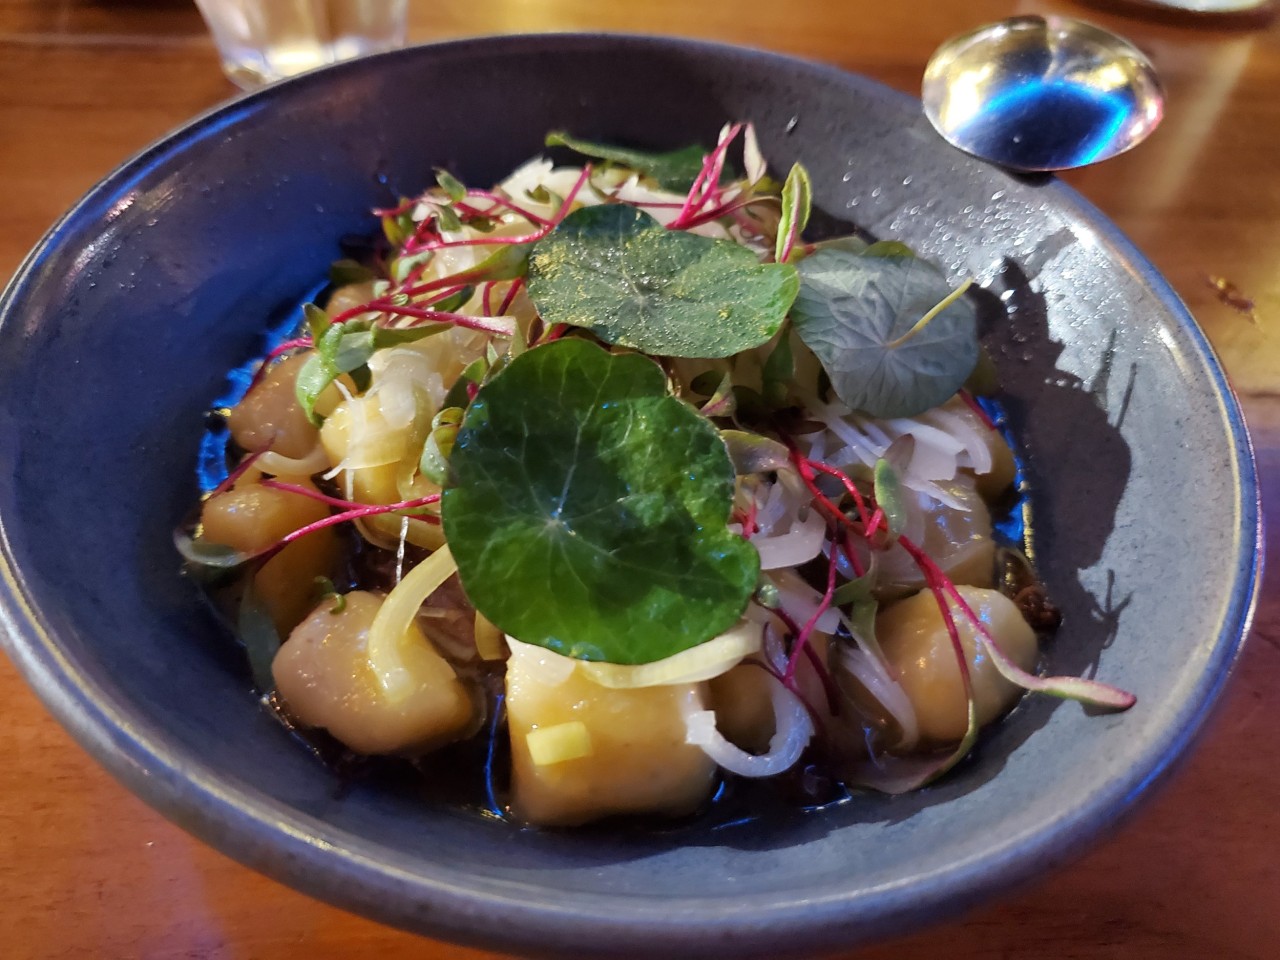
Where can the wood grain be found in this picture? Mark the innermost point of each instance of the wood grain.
(87, 871)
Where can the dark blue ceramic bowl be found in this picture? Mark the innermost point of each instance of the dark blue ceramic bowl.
(120, 328)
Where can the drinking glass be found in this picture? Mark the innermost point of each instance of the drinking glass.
(264, 40)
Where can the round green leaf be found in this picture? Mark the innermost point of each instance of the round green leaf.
(590, 509)
(618, 272)
(859, 313)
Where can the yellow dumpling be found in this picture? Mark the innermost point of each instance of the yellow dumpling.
(322, 672)
(918, 648)
(612, 751)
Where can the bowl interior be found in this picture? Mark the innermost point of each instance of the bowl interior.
(119, 332)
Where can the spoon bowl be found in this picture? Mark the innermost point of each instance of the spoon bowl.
(1042, 93)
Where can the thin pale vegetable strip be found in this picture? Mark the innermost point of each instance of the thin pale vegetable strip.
(396, 615)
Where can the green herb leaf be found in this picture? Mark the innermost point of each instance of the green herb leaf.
(207, 559)
(673, 170)
(447, 218)
(590, 509)
(779, 371)
(346, 348)
(752, 453)
(797, 203)
(343, 272)
(398, 228)
(723, 402)
(619, 273)
(855, 313)
(317, 321)
(455, 302)
(889, 498)
(858, 591)
(451, 185)
(258, 633)
(472, 374)
(434, 463)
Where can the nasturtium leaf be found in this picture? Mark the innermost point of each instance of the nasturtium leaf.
(857, 314)
(619, 273)
(673, 170)
(590, 509)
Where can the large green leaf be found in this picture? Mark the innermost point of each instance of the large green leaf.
(860, 314)
(673, 170)
(590, 509)
(617, 272)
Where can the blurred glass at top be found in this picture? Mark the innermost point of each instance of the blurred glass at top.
(264, 40)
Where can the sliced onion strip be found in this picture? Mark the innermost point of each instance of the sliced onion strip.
(792, 731)
(397, 613)
(706, 660)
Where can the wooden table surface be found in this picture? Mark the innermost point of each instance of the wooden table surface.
(88, 871)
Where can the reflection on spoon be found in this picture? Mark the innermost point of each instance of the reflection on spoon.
(1042, 93)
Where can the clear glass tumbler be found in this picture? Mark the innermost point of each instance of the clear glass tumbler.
(264, 40)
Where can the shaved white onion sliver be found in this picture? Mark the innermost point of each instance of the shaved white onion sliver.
(542, 665)
(282, 466)
(800, 601)
(792, 733)
(397, 612)
(706, 660)
(874, 676)
(801, 544)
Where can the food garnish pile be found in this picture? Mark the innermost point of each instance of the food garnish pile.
(613, 467)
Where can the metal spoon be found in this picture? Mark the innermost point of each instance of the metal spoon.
(1042, 93)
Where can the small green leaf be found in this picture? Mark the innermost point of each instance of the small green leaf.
(797, 203)
(451, 185)
(850, 244)
(434, 463)
(455, 302)
(472, 375)
(204, 556)
(447, 218)
(398, 228)
(344, 272)
(317, 321)
(328, 591)
(401, 267)
(889, 498)
(673, 170)
(616, 271)
(853, 312)
(779, 371)
(752, 453)
(723, 401)
(258, 633)
(858, 591)
(590, 511)
(889, 248)
(984, 381)
(505, 263)
(346, 348)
